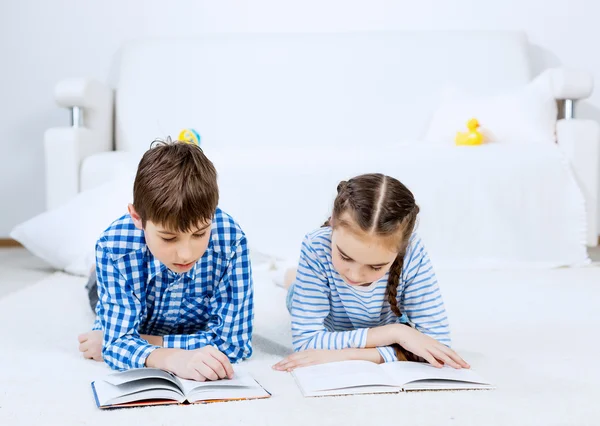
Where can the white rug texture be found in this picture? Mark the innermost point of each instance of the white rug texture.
(533, 333)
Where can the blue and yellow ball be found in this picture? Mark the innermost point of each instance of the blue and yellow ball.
(189, 136)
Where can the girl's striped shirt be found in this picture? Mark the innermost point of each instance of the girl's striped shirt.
(327, 313)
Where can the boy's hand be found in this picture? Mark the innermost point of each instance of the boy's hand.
(207, 363)
(90, 344)
(434, 352)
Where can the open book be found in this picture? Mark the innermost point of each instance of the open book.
(355, 377)
(152, 386)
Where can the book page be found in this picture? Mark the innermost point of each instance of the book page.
(341, 375)
(225, 393)
(356, 390)
(109, 394)
(434, 384)
(240, 380)
(404, 372)
(139, 374)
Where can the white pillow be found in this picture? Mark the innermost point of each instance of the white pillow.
(525, 115)
(66, 236)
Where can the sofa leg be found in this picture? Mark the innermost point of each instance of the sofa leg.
(569, 109)
(76, 116)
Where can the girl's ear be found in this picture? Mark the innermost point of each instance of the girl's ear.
(137, 220)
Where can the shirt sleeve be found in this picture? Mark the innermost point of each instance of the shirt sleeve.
(119, 312)
(421, 299)
(97, 323)
(231, 312)
(310, 306)
(387, 353)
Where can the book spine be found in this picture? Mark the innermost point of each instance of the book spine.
(95, 395)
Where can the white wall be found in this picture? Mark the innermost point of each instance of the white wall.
(43, 41)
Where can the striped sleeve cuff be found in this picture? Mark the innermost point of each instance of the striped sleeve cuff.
(358, 338)
(387, 353)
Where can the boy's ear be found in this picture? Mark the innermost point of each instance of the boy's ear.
(137, 220)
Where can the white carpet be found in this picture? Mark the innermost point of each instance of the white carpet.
(532, 333)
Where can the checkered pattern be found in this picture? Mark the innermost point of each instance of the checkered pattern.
(212, 304)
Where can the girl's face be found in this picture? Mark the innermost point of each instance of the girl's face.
(360, 259)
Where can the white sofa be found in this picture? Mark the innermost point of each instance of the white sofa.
(284, 114)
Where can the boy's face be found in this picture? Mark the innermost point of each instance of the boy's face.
(179, 251)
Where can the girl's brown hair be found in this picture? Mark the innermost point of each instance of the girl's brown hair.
(380, 205)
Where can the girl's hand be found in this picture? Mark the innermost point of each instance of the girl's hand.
(310, 357)
(434, 352)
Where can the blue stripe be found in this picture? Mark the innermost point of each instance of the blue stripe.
(304, 305)
(303, 296)
(429, 315)
(424, 309)
(423, 280)
(415, 290)
(418, 296)
(425, 324)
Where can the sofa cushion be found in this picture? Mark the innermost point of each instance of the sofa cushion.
(523, 115)
(283, 90)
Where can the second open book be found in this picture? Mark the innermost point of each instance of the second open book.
(355, 377)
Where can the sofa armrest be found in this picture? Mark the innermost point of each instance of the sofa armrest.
(64, 149)
(91, 103)
(571, 84)
(82, 92)
(580, 142)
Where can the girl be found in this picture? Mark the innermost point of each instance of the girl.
(365, 287)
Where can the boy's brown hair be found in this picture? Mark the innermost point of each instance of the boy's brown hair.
(175, 186)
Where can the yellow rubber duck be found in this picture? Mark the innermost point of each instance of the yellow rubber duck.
(472, 137)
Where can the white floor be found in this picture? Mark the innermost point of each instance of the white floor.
(19, 269)
(532, 332)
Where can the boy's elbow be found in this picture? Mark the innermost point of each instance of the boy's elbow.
(113, 363)
(240, 354)
(110, 355)
(247, 353)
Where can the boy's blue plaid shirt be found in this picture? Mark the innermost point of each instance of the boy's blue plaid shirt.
(212, 304)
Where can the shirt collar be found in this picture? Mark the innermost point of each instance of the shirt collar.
(156, 267)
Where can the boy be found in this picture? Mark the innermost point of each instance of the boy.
(174, 277)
